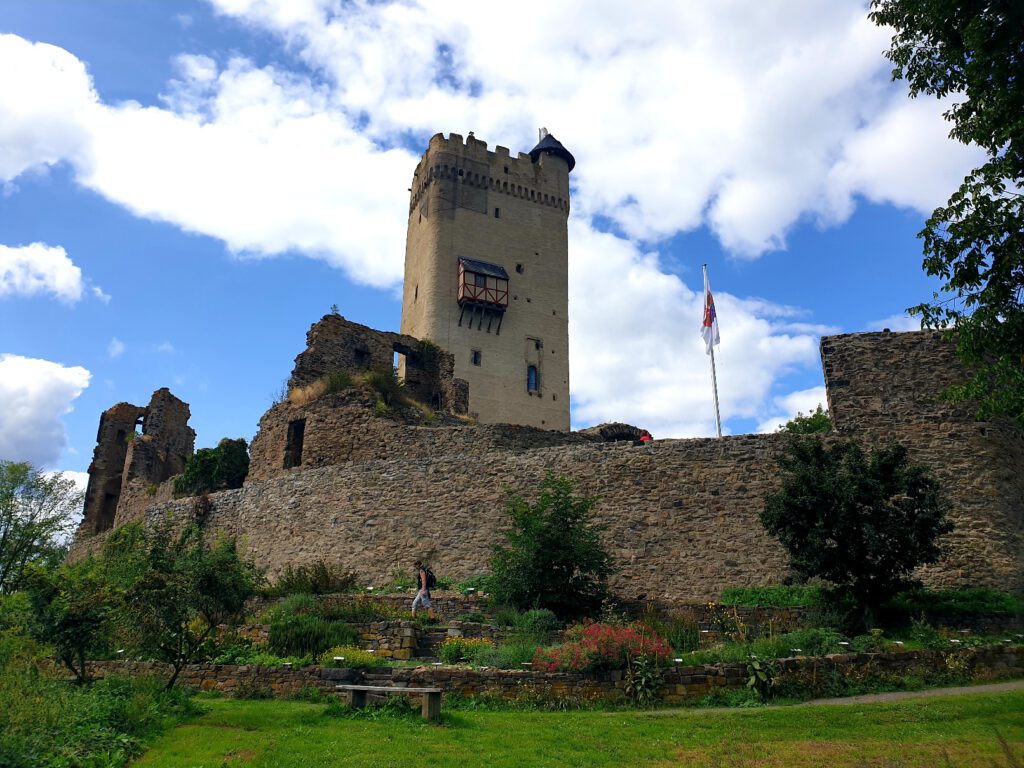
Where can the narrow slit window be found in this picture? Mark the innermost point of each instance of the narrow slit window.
(532, 379)
(476, 357)
(293, 446)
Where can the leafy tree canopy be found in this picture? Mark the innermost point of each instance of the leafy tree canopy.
(861, 521)
(215, 469)
(974, 51)
(37, 515)
(177, 588)
(552, 556)
(72, 610)
(813, 423)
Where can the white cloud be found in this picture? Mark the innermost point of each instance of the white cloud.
(637, 354)
(35, 394)
(39, 268)
(166, 347)
(734, 116)
(785, 407)
(100, 294)
(46, 98)
(115, 348)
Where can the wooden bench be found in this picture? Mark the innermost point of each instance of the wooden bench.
(431, 696)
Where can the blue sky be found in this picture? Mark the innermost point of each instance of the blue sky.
(186, 186)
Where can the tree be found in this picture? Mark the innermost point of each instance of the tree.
(178, 589)
(552, 556)
(36, 517)
(861, 521)
(72, 610)
(812, 423)
(215, 469)
(974, 50)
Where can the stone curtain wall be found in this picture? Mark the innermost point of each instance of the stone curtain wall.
(682, 522)
(680, 683)
(681, 514)
(886, 387)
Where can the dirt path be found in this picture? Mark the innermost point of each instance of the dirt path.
(870, 698)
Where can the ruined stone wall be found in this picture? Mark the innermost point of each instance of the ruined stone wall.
(335, 344)
(886, 387)
(343, 427)
(681, 514)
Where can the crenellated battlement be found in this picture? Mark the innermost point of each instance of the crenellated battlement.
(468, 162)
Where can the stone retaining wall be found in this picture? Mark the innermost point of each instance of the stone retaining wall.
(681, 683)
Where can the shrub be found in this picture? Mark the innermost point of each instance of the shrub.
(389, 389)
(474, 617)
(975, 601)
(480, 584)
(862, 520)
(354, 658)
(316, 579)
(214, 469)
(779, 596)
(538, 623)
(302, 634)
(681, 632)
(600, 646)
(456, 649)
(552, 556)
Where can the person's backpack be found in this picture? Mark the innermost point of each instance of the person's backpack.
(431, 579)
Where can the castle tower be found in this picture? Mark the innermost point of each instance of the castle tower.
(487, 276)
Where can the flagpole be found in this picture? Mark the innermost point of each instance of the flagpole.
(714, 377)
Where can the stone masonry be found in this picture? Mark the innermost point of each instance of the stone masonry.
(681, 515)
(129, 463)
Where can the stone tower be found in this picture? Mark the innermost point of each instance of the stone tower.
(486, 273)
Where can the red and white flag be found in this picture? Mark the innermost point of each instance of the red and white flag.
(709, 328)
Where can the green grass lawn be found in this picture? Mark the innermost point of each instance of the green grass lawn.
(920, 732)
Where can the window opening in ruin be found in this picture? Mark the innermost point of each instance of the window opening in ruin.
(293, 446)
(476, 356)
(497, 213)
(416, 293)
(460, 171)
(362, 357)
(107, 512)
(532, 379)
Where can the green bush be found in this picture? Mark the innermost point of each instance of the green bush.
(481, 584)
(316, 579)
(682, 633)
(468, 649)
(302, 634)
(362, 610)
(49, 722)
(552, 554)
(214, 469)
(339, 381)
(779, 596)
(975, 601)
(354, 658)
(538, 623)
(389, 389)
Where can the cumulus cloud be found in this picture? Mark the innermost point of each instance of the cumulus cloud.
(730, 116)
(38, 268)
(636, 350)
(35, 395)
(46, 99)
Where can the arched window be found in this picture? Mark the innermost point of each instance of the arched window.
(532, 380)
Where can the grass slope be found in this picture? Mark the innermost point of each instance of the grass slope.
(919, 732)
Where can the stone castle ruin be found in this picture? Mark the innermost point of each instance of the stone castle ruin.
(331, 479)
(334, 476)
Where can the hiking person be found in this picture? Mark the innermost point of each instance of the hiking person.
(424, 581)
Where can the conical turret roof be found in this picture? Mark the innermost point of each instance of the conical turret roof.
(549, 145)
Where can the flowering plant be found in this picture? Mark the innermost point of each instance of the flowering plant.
(595, 646)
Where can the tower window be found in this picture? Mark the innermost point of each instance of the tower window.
(480, 281)
(519, 268)
(532, 379)
(497, 213)
(476, 357)
(506, 169)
